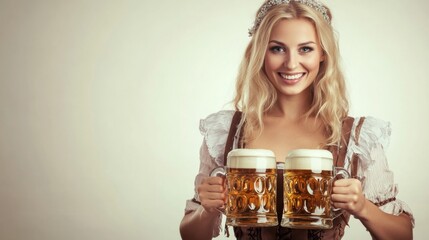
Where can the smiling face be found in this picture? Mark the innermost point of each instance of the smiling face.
(293, 57)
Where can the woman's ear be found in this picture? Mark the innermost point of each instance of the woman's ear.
(322, 58)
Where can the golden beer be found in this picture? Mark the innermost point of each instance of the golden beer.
(308, 180)
(251, 183)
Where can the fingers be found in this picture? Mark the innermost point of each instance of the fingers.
(345, 190)
(346, 182)
(213, 181)
(347, 186)
(347, 194)
(346, 206)
(212, 193)
(343, 198)
(211, 184)
(353, 204)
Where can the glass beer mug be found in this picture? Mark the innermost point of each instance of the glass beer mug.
(308, 178)
(251, 182)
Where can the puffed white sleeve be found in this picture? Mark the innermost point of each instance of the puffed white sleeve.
(369, 143)
(215, 129)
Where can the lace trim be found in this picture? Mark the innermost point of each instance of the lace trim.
(382, 203)
(195, 201)
(254, 233)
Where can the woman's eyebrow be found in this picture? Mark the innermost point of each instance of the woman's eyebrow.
(301, 44)
(306, 43)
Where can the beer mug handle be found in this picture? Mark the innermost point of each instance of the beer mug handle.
(339, 172)
(220, 172)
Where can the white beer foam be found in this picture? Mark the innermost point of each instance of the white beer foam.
(251, 159)
(316, 160)
(316, 164)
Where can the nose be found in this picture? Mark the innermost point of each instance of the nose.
(291, 61)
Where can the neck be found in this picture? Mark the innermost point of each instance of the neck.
(292, 107)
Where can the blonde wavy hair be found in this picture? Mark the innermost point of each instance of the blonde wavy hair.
(255, 95)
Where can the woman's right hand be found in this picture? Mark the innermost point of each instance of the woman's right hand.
(200, 224)
(212, 194)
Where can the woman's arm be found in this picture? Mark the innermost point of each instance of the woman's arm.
(374, 203)
(382, 225)
(203, 221)
(347, 194)
(198, 224)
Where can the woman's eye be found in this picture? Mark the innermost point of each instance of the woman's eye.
(277, 49)
(306, 49)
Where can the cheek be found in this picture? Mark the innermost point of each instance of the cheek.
(272, 63)
(312, 65)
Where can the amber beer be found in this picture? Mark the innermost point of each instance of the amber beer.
(308, 177)
(251, 184)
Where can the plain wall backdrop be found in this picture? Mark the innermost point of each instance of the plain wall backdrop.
(100, 103)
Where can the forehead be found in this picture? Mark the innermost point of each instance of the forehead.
(294, 30)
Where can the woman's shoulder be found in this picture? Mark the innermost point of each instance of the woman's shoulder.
(215, 128)
(220, 119)
(369, 138)
(368, 130)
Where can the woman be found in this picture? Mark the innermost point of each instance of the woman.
(291, 92)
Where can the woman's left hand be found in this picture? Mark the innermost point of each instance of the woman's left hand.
(347, 194)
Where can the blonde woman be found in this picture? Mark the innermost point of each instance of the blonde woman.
(292, 94)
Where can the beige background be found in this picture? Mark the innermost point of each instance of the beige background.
(100, 103)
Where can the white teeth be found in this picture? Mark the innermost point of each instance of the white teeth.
(291, 77)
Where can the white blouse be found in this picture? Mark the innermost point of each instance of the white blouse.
(378, 187)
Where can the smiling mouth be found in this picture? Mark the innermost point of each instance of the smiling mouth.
(291, 76)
